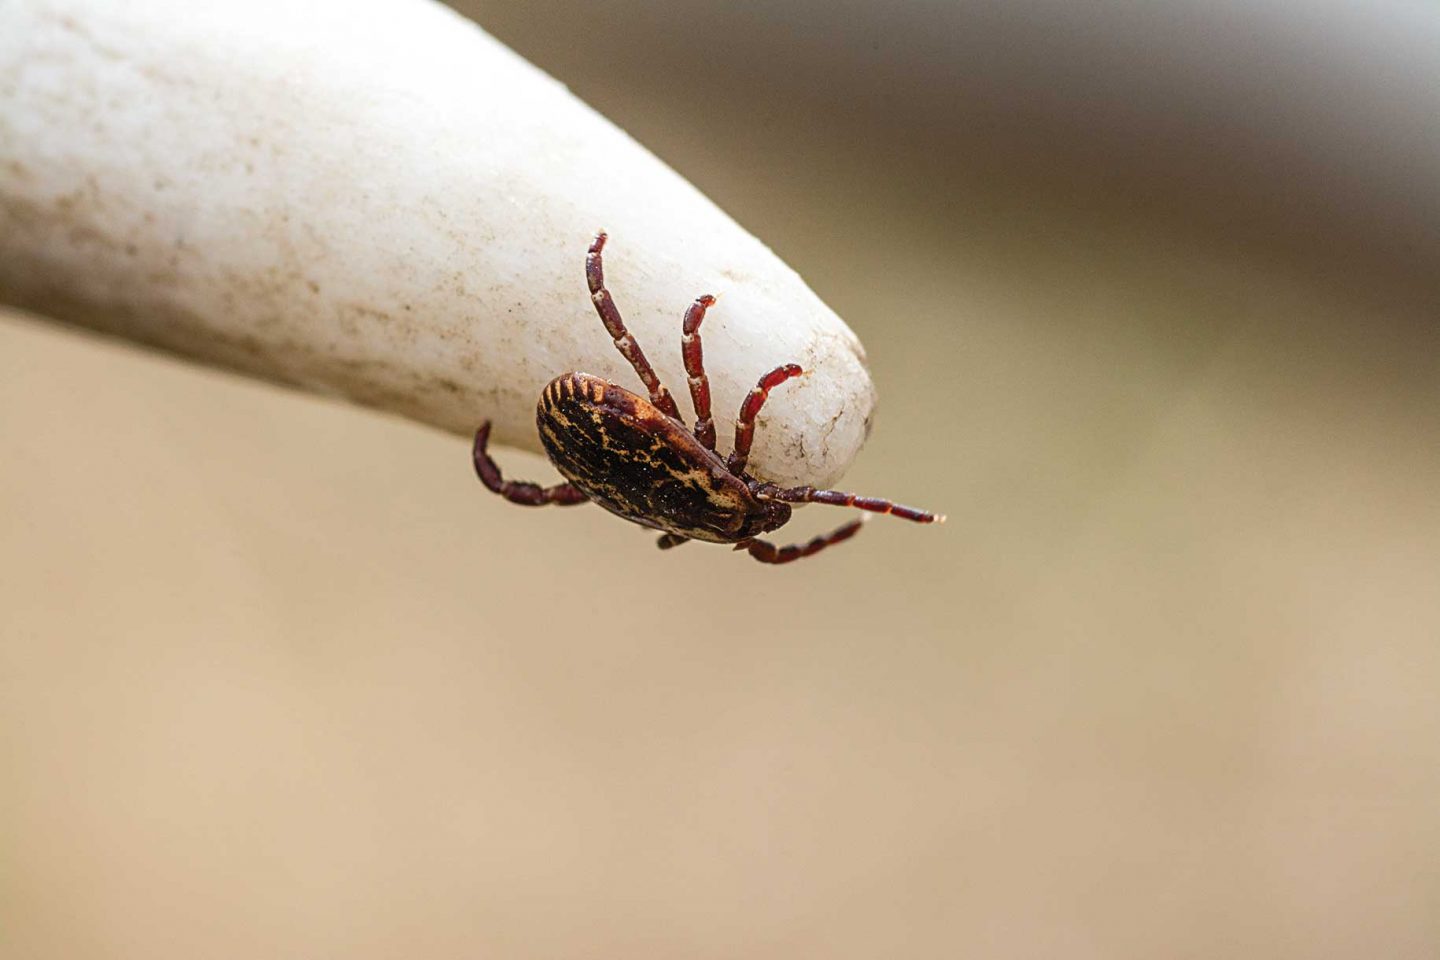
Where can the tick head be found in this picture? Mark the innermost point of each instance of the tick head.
(772, 515)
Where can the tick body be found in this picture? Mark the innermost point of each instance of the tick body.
(636, 458)
(640, 464)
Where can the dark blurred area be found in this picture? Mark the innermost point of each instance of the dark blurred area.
(1289, 135)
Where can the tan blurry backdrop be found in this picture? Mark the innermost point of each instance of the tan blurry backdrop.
(1150, 299)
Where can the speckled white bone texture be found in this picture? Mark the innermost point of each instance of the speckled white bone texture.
(374, 199)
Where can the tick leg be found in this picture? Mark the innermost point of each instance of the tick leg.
(668, 540)
(750, 409)
(836, 498)
(695, 370)
(629, 349)
(525, 494)
(767, 552)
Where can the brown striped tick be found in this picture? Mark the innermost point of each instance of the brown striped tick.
(638, 459)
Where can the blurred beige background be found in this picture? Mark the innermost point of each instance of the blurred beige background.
(1150, 294)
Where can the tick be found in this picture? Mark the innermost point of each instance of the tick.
(636, 457)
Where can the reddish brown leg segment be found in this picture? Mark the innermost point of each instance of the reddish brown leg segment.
(668, 540)
(525, 494)
(836, 498)
(690, 348)
(610, 316)
(750, 409)
(769, 553)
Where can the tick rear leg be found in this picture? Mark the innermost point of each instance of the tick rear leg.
(750, 409)
(837, 498)
(668, 540)
(767, 552)
(690, 348)
(525, 494)
(610, 316)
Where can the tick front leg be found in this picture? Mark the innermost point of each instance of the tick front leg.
(837, 498)
(525, 494)
(615, 326)
(750, 409)
(690, 348)
(668, 540)
(767, 552)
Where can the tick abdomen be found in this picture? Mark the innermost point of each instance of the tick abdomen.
(633, 460)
